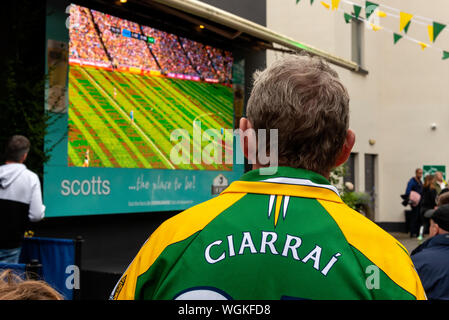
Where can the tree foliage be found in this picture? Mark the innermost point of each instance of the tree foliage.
(22, 79)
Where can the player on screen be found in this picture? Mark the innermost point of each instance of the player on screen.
(86, 159)
(131, 115)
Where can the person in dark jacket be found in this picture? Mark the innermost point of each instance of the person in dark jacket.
(431, 259)
(415, 184)
(429, 196)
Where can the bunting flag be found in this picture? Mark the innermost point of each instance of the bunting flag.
(435, 30)
(370, 7)
(430, 31)
(311, 1)
(375, 27)
(348, 17)
(397, 37)
(326, 5)
(407, 26)
(381, 14)
(404, 21)
(423, 45)
(335, 4)
(357, 10)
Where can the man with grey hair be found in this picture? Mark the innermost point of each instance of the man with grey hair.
(309, 108)
(20, 198)
(282, 233)
(439, 182)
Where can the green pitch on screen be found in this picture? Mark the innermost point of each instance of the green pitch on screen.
(124, 120)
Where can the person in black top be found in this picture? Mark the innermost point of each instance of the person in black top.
(414, 184)
(429, 196)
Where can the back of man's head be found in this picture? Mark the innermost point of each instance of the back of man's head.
(441, 217)
(304, 99)
(443, 198)
(16, 148)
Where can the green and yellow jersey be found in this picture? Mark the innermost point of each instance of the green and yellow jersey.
(283, 236)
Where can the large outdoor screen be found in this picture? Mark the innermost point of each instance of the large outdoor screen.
(146, 117)
(131, 86)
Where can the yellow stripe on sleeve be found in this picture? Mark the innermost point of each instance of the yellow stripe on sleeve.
(175, 229)
(377, 246)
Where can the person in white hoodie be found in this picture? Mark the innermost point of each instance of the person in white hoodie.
(20, 199)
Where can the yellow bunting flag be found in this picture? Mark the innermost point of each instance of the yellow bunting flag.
(423, 45)
(375, 27)
(335, 4)
(326, 5)
(381, 14)
(430, 30)
(404, 21)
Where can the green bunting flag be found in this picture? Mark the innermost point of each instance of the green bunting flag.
(437, 28)
(407, 26)
(357, 10)
(348, 17)
(397, 37)
(370, 7)
(445, 55)
(405, 19)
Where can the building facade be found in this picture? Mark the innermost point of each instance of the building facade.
(400, 105)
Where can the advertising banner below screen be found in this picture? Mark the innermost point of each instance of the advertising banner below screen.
(132, 108)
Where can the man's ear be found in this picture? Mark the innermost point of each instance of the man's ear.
(24, 157)
(347, 148)
(247, 134)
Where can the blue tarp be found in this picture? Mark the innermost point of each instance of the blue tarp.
(57, 257)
